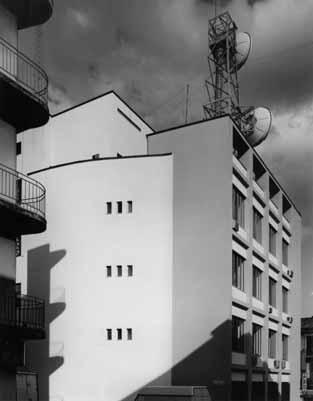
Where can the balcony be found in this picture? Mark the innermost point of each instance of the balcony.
(22, 204)
(22, 317)
(30, 12)
(23, 89)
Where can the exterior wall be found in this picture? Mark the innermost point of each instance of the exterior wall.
(295, 306)
(94, 127)
(66, 265)
(8, 26)
(202, 253)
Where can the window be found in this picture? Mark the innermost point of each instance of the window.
(238, 326)
(238, 207)
(18, 148)
(18, 246)
(109, 271)
(272, 292)
(129, 334)
(130, 206)
(130, 270)
(257, 226)
(285, 300)
(309, 345)
(272, 344)
(285, 347)
(238, 271)
(285, 252)
(119, 271)
(272, 240)
(256, 339)
(257, 283)
(109, 207)
(119, 334)
(109, 334)
(119, 207)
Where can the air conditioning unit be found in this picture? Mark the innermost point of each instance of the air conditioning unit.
(276, 364)
(289, 319)
(96, 156)
(270, 309)
(235, 225)
(283, 364)
(290, 273)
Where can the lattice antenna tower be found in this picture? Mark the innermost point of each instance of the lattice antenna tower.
(222, 83)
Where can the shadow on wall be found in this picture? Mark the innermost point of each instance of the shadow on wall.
(41, 356)
(209, 365)
(203, 367)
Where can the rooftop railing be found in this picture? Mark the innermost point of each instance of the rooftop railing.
(22, 191)
(19, 68)
(22, 311)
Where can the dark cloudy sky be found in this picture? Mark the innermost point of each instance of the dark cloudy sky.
(148, 50)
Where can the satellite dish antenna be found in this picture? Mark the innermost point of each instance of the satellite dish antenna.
(262, 122)
(243, 48)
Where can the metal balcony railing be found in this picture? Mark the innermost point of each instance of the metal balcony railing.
(22, 191)
(19, 68)
(22, 311)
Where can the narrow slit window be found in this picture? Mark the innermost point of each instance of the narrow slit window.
(119, 207)
(130, 206)
(119, 271)
(129, 334)
(130, 270)
(109, 271)
(109, 207)
(109, 334)
(119, 334)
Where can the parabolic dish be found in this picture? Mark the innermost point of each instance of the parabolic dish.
(262, 126)
(243, 48)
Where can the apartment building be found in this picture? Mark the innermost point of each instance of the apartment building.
(23, 105)
(171, 258)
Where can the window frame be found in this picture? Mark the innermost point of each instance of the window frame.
(257, 228)
(257, 276)
(272, 296)
(285, 252)
(272, 235)
(238, 271)
(238, 334)
(285, 347)
(257, 339)
(272, 344)
(285, 303)
(238, 207)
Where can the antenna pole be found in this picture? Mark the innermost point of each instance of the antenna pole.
(187, 103)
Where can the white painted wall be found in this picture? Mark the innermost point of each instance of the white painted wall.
(95, 127)
(87, 239)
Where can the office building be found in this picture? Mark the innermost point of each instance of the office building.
(170, 258)
(23, 105)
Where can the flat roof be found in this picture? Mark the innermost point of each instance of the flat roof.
(97, 160)
(242, 136)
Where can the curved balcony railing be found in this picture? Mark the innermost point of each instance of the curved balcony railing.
(22, 191)
(22, 311)
(20, 69)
